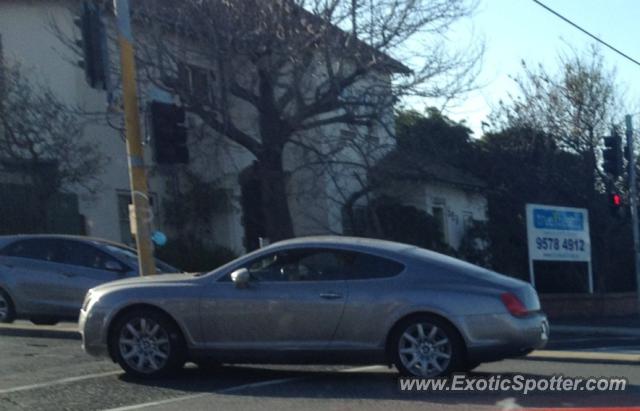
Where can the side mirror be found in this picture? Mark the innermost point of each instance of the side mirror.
(115, 266)
(241, 278)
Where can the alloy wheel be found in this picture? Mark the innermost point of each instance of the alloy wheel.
(4, 308)
(425, 350)
(144, 345)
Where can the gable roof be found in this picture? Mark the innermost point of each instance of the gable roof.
(405, 165)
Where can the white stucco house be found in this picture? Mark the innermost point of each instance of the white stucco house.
(27, 38)
(455, 198)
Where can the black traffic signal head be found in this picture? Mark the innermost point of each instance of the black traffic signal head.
(95, 55)
(612, 155)
(169, 132)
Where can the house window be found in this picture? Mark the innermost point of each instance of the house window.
(124, 199)
(439, 216)
(467, 219)
(197, 81)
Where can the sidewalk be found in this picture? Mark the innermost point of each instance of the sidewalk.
(614, 326)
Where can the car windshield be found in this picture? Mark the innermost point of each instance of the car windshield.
(131, 257)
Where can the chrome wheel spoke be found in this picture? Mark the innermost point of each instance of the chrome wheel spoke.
(409, 338)
(132, 330)
(441, 342)
(420, 331)
(433, 332)
(423, 368)
(160, 354)
(440, 354)
(436, 365)
(154, 330)
(130, 354)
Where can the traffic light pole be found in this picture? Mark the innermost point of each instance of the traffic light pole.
(135, 153)
(633, 200)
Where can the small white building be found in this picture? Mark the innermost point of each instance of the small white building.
(452, 196)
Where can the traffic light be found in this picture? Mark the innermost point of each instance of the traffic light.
(169, 132)
(615, 204)
(95, 51)
(612, 155)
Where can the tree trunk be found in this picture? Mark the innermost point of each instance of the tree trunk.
(275, 201)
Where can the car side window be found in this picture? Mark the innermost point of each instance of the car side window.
(85, 255)
(36, 249)
(301, 265)
(367, 266)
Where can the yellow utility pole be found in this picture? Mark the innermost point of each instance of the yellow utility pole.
(135, 153)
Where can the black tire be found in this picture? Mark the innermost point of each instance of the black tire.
(433, 355)
(147, 355)
(470, 366)
(7, 308)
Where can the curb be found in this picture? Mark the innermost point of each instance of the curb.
(584, 356)
(36, 331)
(585, 329)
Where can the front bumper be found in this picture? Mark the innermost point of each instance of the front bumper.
(94, 335)
(496, 337)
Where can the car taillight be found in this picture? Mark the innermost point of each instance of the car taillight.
(513, 304)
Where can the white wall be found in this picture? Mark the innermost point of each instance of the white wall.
(456, 202)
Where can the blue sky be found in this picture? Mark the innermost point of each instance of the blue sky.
(514, 30)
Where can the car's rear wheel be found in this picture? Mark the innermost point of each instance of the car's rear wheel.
(426, 346)
(146, 343)
(7, 309)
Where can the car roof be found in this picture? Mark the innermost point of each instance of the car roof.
(344, 241)
(10, 238)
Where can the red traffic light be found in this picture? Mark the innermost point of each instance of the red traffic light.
(616, 200)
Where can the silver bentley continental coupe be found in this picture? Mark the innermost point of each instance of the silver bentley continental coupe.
(322, 300)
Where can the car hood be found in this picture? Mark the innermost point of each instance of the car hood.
(160, 279)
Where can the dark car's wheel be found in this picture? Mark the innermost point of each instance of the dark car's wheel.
(426, 346)
(7, 309)
(146, 343)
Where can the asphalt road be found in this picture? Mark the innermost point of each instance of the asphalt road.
(49, 371)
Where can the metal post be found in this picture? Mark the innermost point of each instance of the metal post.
(135, 153)
(633, 200)
(532, 274)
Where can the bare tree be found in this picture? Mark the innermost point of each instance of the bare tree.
(277, 75)
(40, 138)
(577, 105)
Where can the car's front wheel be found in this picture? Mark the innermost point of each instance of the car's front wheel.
(426, 346)
(7, 309)
(146, 343)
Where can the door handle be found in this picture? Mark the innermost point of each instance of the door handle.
(330, 296)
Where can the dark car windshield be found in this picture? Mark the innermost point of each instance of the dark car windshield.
(131, 257)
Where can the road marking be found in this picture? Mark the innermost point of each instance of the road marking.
(234, 389)
(584, 355)
(203, 394)
(58, 382)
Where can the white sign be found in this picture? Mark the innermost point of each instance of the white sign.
(558, 233)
